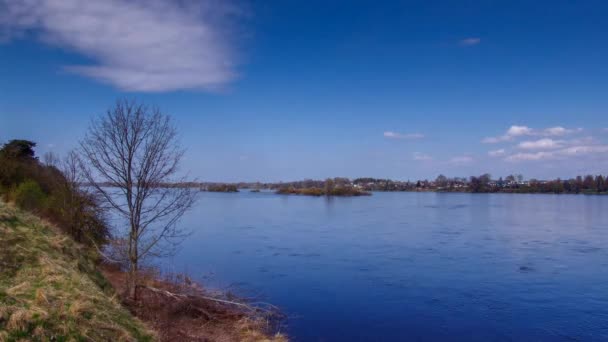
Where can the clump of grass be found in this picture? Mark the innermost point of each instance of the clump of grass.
(251, 330)
(51, 290)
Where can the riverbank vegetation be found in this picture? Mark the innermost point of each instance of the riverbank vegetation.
(53, 288)
(55, 239)
(177, 308)
(51, 189)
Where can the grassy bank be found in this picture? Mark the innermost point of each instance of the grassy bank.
(50, 288)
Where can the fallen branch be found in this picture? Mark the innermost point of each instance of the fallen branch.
(107, 257)
(179, 296)
(164, 292)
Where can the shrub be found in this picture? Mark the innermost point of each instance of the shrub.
(51, 190)
(28, 195)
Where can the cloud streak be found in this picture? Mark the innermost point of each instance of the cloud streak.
(461, 160)
(147, 46)
(419, 156)
(497, 153)
(395, 135)
(471, 41)
(568, 152)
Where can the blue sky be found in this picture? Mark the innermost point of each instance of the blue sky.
(284, 90)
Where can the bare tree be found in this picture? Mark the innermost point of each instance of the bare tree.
(72, 195)
(131, 157)
(51, 159)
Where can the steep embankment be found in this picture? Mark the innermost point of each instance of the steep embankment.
(51, 290)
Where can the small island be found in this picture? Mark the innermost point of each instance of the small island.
(222, 188)
(330, 188)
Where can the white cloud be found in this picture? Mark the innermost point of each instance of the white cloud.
(470, 41)
(512, 132)
(516, 131)
(497, 153)
(521, 131)
(568, 152)
(559, 131)
(137, 45)
(542, 144)
(394, 135)
(421, 156)
(461, 160)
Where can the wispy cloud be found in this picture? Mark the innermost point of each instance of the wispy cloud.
(497, 153)
(560, 131)
(541, 144)
(419, 156)
(516, 131)
(395, 135)
(135, 45)
(568, 152)
(470, 41)
(461, 160)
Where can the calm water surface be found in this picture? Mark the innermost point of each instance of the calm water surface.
(411, 266)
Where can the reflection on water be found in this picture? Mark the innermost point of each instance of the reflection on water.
(411, 266)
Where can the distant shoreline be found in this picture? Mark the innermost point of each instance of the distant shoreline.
(369, 193)
(589, 185)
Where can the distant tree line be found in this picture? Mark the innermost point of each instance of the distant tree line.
(589, 184)
(375, 184)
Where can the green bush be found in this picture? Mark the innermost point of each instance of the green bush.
(28, 195)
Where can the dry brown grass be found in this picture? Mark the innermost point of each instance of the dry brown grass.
(180, 310)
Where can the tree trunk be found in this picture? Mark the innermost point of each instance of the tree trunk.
(133, 270)
(132, 280)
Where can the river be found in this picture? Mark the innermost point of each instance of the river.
(410, 266)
